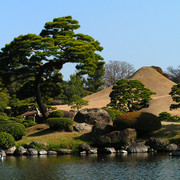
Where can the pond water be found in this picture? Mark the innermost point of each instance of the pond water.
(91, 167)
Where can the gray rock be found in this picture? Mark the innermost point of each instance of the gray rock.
(84, 147)
(107, 150)
(32, 151)
(175, 153)
(91, 116)
(52, 153)
(93, 151)
(81, 127)
(63, 151)
(138, 148)
(20, 151)
(117, 139)
(11, 150)
(158, 144)
(171, 147)
(42, 152)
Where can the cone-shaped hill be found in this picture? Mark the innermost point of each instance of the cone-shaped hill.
(152, 80)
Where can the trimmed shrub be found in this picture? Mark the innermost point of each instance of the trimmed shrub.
(17, 130)
(141, 121)
(114, 113)
(29, 123)
(60, 123)
(14, 119)
(6, 140)
(57, 113)
(3, 119)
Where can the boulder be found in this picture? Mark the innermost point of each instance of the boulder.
(63, 151)
(32, 151)
(171, 147)
(91, 116)
(52, 153)
(106, 150)
(93, 151)
(11, 150)
(84, 147)
(42, 152)
(69, 114)
(81, 127)
(101, 128)
(158, 144)
(138, 148)
(117, 139)
(20, 151)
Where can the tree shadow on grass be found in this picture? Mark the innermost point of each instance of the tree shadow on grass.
(87, 137)
(43, 132)
(168, 131)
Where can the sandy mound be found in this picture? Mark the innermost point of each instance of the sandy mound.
(152, 80)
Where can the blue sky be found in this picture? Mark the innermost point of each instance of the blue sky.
(140, 32)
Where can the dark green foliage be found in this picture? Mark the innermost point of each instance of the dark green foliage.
(17, 130)
(39, 56)
(129, 95)
(6, 140)
(141, 121)
(175, 94)
(73, 87)
(19, 107)
(165, 116)
(60, 123)
(77, 102)
(95, 81)
(57, 113)
(16, 119)
(29, 123)
(114, 113)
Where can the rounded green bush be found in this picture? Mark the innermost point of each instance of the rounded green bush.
(141, 121)
(57, 113)
(60, 123)
(29, 123)
(6, 140)
(14, 119)
(17, 130)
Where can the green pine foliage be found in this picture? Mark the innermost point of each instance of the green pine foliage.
(165, 116)
(175, 94)
(129, 95)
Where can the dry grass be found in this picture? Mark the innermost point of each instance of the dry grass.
(43, 133)
(152, 80)
(170, 131)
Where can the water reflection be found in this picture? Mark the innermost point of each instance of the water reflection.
(133, 166)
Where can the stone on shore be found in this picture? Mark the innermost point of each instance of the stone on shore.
(20, 151)
(11, 150)
(32, 151)
(138, 148)
(42, 152)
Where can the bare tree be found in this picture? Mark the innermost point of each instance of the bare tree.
(174, 74)
(116, 70)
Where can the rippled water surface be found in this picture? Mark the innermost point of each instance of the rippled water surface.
(137, 166)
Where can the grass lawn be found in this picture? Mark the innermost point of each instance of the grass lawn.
(169, 130)
(72, 140)
(55, 139)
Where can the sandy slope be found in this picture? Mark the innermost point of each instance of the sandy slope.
(152, 80)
